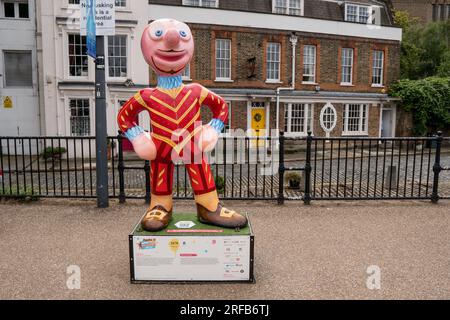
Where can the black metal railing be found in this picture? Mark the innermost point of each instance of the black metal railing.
(259, 168)
(444, 187)
(361, 168)
(241, 169)
(56, 167)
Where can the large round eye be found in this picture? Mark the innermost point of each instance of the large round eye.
(156, 31)
(185, 34)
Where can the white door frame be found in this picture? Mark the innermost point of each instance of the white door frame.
(392, 107)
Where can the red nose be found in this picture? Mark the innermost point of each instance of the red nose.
(172, 38)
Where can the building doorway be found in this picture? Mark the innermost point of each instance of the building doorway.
(257, 118)
(387, 122)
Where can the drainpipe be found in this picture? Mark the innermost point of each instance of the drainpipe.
(293, 39)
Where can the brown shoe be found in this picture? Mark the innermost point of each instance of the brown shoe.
(222, 217)
(156, 219)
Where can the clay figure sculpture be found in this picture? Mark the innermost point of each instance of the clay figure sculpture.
(177, 132)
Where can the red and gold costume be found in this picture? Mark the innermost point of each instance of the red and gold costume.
(176, 126)
(176, 129)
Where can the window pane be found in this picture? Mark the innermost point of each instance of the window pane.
(377, 67)
(79, 119)
(223, 58)
(309, 63)
(356, 116)
(363, 14)
(347, 65)
(273, 61)
(357, 13)
(186, 72)
(209, 3)
(18, 69)
(228, 123)
(117, 56)
(435, 12)
(353, 117)
(280, 6)
(298, 118)
(9, 10)
(352, 13)
(295, 7)
(286, 118)
(192, 2)
(364, 118)
(23, 10)
(202, 3)
(329, 118)
(78, 59)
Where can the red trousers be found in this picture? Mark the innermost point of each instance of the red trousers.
(161, 172)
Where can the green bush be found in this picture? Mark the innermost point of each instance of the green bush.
(220, 183)
(53, 153)
(294, 179)
(428, 100)
(26, 195)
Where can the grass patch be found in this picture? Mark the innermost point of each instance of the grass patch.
(22, 195)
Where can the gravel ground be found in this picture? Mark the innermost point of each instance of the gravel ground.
(317, 252)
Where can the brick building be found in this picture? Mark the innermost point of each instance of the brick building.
(426, 10)
(345, 55)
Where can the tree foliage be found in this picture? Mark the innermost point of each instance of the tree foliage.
(428, 100)
(425, 73)
(425, 49)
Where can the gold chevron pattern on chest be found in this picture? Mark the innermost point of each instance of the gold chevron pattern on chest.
(173, 93)
(155, 124)
(180, 119)
(168, 106)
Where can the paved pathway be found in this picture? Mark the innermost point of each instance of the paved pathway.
(317, 252)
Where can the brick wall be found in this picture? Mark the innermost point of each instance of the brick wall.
(251, 43)
(421, 9)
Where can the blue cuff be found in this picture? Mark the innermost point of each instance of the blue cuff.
(133, 133)
(218, 125)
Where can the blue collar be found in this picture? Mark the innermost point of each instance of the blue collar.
(170, 82)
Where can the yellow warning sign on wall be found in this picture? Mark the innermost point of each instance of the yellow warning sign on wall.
(7, 103)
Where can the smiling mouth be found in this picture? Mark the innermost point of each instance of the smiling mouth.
(170, 55)
(165, 71)
(171, 50)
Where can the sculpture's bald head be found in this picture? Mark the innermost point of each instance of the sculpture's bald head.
(167, 46)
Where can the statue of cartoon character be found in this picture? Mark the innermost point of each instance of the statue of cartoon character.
(177, 131)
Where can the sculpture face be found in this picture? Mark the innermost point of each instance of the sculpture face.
(167, 46)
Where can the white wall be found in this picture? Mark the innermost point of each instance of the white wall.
(54, 74)
(23, 118)
(275, 22)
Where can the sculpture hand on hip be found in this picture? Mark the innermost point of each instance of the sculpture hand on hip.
(208, 138)
(144, 146)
